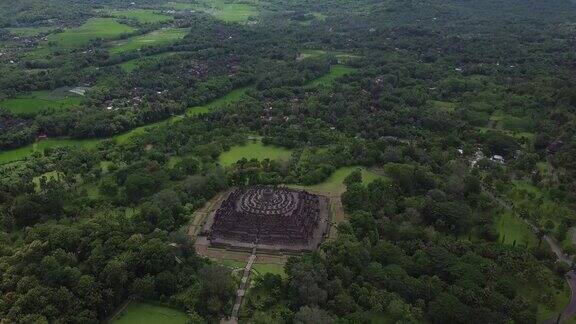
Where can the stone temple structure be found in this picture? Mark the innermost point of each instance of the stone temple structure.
(267, 217)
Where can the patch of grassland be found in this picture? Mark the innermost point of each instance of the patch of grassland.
(48, 176)
(444, 105)
(263, 268)
(336, 71)
(232, 96)
(23, 152)
(228, 12)
(253, 150)
(510, 228)
(155, 38)
(124, 138)
(142, 16)
(334, 185)
(38, 101)
(143, 313)
(134, 64)
(560, 298)
(30, 31)
(105, 28)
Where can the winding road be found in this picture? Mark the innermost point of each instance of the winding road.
(570, 309)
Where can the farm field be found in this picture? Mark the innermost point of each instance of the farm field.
(29, 31)
(336, 71)
(253, 150)
(228, 12)
(22, 152)
(105, 28)
(232, 96)
(143, 313)
(134, 64)
(142, 16)
(38, 101)
(157, 37)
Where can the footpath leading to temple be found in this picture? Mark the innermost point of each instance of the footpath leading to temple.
(241, 290)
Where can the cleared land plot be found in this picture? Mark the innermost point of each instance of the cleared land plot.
(30, 31)
(254, 150)
(155, 38)
(143, 313)
(23, 152)
(334, 185)
(134, 64)
(104, 28)
(232, 96)
(38, 101)
(336, 71)
(511, 229)
(142, 16)
(228, 12)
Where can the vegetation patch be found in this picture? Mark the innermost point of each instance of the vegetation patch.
(143, 16)
(228, 12)
(104, 28)
(512, 230)
(155, 38)
(134, 64)
(144, 313)
(30, 31)
(37, 101)
(232, 96)
(22, 152)
(334, 185)
(336, 71)
(254, 150)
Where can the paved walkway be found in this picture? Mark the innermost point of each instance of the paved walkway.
(242, 290)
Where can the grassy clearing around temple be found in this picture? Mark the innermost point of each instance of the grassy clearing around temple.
(37, 101)
(254, 150)
(142, 16)
(143, 313)
(334, 185)
(336, 71)
(511, 229)
(22, 152)
(155, 38)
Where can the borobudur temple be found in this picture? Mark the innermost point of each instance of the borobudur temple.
(270, 217)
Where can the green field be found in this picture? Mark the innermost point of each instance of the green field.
(258, 268)
(228, 12)
(22, 152)
(253, 150)
(510, 228)
(142, 16)
(38, 101)
(342, 57)
(336, 71)
(155, 38)
(142, 313)
(232, 96)
(134, 64)
(335, 183)
(105, 28)
(30, 31)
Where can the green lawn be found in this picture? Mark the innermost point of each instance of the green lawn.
(132, 65)
(335, 183)
(22, 152)
(142, 16)
(510, 228)
(336, 71)
(29, 31)
(155, 38)
(143, 313)
(258, 268)
(105, 28)
(253, 150)
(232, 96)
(37, 101)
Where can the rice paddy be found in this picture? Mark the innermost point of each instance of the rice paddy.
(336, 71)
(143, 16)
(104, 28)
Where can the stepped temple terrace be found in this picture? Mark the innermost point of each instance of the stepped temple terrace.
(268, 218)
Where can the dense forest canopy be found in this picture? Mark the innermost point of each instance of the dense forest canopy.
(444, 129)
